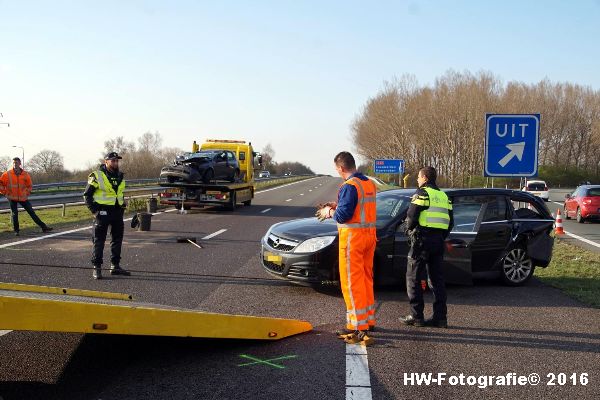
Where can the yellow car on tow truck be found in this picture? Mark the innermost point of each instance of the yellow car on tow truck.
(216, 193)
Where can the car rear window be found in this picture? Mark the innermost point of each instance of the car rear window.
(536, 186)
(593, 192)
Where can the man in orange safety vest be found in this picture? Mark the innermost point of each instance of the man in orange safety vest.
(16, 185)
(355, 214)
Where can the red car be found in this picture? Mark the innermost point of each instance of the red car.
(583, 203)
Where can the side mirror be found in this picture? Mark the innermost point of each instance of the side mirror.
(259, 159)
(567, 196)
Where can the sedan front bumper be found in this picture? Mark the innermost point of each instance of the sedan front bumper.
(304, 268)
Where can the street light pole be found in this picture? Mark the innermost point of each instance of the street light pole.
(22, 156)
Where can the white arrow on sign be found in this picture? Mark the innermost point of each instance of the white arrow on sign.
(516, 149)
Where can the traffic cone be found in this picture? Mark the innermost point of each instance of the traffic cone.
(559, 226)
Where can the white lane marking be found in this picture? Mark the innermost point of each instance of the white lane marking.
(556, 202)
(51, 235)
(301, 194)
(2, 246)
(582, 239)
(4, 332)
(212, 235)
(358, 380)
(266, 210)
(310, 190)
(289, 200)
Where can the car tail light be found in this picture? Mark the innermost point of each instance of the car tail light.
(545, 188)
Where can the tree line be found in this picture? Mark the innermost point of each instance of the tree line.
(443, 125)
(141, 159)
(281, 168)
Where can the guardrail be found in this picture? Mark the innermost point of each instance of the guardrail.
(58, 185)
(129, 194)
(63, 203)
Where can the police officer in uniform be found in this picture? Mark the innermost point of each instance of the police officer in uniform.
(104, 198)
(428, 223)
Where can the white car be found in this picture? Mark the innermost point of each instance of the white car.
(264, 174)
(537, 188)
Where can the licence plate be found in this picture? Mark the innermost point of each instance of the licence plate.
(173, 190)
(271, 257)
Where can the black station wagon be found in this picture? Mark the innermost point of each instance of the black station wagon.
(497, 233)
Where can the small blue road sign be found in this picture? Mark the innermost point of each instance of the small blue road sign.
(389, 166)
(511, 144)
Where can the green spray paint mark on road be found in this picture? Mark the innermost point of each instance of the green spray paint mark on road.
(266, 362)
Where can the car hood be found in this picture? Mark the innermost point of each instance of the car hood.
(305, 228)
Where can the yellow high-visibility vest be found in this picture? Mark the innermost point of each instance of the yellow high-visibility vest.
(437, 214)
(105, 193)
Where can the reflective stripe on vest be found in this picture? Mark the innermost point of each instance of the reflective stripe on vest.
(13, 190)
(362, 199)
(437, 215)
(105, 193)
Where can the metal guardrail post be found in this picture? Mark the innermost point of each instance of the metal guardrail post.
(64, 209)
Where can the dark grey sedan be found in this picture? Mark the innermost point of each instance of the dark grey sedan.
(203, 166)
(497, 234)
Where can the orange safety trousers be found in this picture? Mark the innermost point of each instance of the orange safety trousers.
(357, 248)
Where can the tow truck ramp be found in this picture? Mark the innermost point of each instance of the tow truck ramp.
(52, 309)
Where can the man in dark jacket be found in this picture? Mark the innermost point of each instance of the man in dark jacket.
(429, 221)
(104, 198)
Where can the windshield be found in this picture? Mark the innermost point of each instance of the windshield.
(593, 192)
(389, 206)
(536, 186)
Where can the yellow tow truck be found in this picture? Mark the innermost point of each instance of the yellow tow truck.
(216, 192)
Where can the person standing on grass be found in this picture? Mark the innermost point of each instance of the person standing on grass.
(16, 185)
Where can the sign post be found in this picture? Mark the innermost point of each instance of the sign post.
(390, 166)
(511, 145)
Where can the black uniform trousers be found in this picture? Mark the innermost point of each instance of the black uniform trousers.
(14, 213)
(426, 260)
(114, 219)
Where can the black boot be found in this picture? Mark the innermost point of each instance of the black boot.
(115, 269)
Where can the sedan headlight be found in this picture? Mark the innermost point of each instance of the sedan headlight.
(314, 244)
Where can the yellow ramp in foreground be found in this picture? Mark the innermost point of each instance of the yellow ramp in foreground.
(50, 309)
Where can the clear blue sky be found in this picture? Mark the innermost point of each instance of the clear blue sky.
(294, 74)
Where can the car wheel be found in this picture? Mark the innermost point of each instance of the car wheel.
(566, 213)
(517, 267)
(580, 219)
(209, 175)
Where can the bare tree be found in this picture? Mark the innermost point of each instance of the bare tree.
(5, 163)
(268, 157)
(47, 166)
(444, 125)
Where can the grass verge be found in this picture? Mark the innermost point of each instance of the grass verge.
(575, 271)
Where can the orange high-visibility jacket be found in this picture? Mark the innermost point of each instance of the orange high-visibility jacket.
(15, 187)
(357, 246)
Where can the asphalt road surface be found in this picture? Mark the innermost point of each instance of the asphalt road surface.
(495, 330)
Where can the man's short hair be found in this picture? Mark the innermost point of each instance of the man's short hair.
(17, 159)
(430, 173)
(345, 160)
